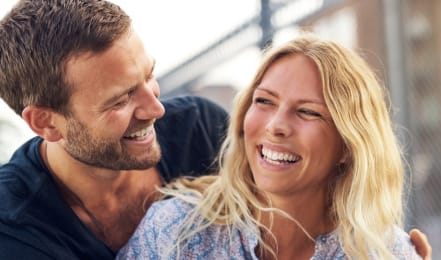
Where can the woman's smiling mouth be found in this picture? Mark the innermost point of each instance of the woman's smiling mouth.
(278, 158)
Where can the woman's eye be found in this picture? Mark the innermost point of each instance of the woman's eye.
(262, 101)
(309, 113)
(131, 92)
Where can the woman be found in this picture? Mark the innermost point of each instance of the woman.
(310, 168)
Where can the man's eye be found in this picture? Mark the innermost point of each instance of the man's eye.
(126, 99)
(122, 103)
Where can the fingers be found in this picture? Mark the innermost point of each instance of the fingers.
(422, 246)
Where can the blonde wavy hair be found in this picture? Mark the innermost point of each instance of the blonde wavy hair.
(366, 200)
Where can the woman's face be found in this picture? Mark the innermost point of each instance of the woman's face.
(291, 142)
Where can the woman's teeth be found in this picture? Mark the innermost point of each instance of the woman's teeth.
(278, 157)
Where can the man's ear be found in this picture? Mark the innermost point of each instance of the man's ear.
(41, 121)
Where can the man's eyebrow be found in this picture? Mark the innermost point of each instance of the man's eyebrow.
(114, 98)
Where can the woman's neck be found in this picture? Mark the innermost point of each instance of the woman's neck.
(296, 228)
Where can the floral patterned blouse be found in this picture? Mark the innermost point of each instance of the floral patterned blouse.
(156, 235)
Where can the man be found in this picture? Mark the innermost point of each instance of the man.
(79, 76)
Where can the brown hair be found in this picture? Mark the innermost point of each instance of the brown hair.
(37, 37)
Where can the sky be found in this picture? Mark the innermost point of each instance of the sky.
(173, 30)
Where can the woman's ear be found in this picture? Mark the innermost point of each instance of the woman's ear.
(41, 121)
(344, 156)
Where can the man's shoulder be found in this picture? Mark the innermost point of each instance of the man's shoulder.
(192, 115)
(19, 179)
(35, 221)
(26, 154)
(190, 135)
(198, 107)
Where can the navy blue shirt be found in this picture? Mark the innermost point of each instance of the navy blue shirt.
(35, 221)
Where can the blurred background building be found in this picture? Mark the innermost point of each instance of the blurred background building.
(401, 39)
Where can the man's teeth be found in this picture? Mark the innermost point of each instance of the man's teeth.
(140, 133)
(278, 156)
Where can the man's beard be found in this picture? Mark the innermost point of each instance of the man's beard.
(104, 152)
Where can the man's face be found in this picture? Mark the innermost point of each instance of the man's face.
(113, 107)
(108, 152)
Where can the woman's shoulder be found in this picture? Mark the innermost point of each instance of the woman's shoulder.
(328, 246)
(170, 203)
(212, 241)
(168, 210)
(402, 246)
(157, 231)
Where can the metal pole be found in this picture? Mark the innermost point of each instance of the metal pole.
(266, 24)
(398, 82)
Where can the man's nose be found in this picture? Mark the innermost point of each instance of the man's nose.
(149, 106)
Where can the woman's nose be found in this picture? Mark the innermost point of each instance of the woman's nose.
(279, 125)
